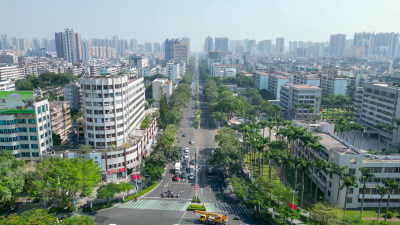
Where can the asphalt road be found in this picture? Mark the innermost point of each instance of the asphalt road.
(152, 209)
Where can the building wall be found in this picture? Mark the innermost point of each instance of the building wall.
(61, 118)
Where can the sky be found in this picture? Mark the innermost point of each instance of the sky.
(157, 20)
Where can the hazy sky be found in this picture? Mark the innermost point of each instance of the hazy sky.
(154, 21)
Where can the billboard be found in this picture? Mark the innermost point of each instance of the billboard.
(17, 102)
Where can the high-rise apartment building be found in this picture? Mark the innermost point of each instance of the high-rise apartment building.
(148, 47)
(221, 44)
(134, 46)
(264, 47)
(208, 44)
(386, 44)
(156, 47)
(280, 45)
(113, 109)
(337, 43)
(366, 40)
(68, 45)
(250, 46)
(72, 93)
(177, 50)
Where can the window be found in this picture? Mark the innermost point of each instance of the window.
(88, 111)
(42, 144)
(32, 129)
(349, 200)
(352, 171)
(35, 154)
(33, 138)
(25, 154)
(88, 104)
(40, 128)
(23, 138)
(38, 110)
(353, 160)
(43, 108)
(45, 126)
(31, 121)
(21, 121)
(351, 190)
(44, 118)
(41, 136)
(47, 107)
(40, 120)
(34, 146)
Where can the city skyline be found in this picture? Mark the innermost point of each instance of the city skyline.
(314, 22)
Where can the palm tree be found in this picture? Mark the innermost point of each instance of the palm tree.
(380, 127)
(390, 184)
(363, 130)
(319, 165)
(382, 190)
(366, 175)
(303, 166)
(340, 172)
(388, 129)
(348, 181)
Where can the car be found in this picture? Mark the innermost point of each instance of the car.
(181, 148)
(212, 151)
(183, 175)
(192, 162)
(191, 176)
(210, 170)
(185, 162)
(186, 156)
(184, 167)
(187, 150)
(175, 177)
(181, 153)
(184, 134)
(192, 142)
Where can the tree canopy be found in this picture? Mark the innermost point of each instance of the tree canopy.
(44, 80)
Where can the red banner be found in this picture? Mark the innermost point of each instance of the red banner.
(135, 177)
(116, 171)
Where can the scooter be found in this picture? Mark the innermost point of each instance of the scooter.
(178, 195)
(237, 217)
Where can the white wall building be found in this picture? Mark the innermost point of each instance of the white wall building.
(113, 108)
(11, 73)
(292, 96)
(332, 85)
(161, 87)
(7, 85)
(72, 93)
(27, 135)
(223, 70)
(261, 80)
(274, 85)
(173, 72)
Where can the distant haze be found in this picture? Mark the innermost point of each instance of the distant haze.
(154, 21)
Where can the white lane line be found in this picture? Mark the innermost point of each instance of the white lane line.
(182, 217)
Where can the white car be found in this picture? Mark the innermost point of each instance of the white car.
(187, 150)
(186, 156)
(191, 142)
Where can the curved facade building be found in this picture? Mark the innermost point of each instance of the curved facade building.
(113, 108)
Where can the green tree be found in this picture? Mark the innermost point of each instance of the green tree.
(108, 191)
(62, 178)
(348, 181)
(163, 110)
(56, 139)
(366, 175)
(12, 178)
(84, 149)
(78, 220)
(382, 190)
(391, 185)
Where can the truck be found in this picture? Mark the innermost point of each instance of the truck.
(212, 218)
(178, 167)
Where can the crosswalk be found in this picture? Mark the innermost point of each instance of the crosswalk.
(230, 208)
(182, 206)
(157, 205)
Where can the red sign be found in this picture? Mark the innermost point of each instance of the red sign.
(116, 171)
(196, 187)
(135, 177)
(292, 206)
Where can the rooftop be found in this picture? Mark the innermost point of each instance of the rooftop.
(333, 144)
(304, 86)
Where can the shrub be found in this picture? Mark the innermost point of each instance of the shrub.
(390, 215)
(196, 199)
(151, 187)
(196, 207)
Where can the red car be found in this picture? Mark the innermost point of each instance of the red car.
(176, 177)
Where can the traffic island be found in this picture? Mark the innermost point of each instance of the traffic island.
(193, 207)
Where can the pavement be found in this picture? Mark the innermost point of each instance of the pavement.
(215, 194)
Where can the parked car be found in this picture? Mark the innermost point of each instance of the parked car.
(210, 171)
(192, 162)
(184, 167)
(191, 176)
(186, 156)
(185, 162)
(138, 181)
(192, 142)
(187, 150)
(212, 151)
(175, 177)
(184, 134)
(181, 148)
(183, 175)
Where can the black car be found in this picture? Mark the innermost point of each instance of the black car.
(184, 167)
(185, 162)
(192, 162)
(183, 175)
(181, 148)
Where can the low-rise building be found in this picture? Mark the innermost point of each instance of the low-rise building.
(60, 115)
(223, 70)
(7, 85)
(11, 73)
(343, 154)
(332, 85)
(8, 59)
(72, 93)
(274, 85)
(173, 71)
(301, 101)
(377, 103)
(161, 87)
(261, 80)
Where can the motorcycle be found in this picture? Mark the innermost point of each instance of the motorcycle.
(237, 217)
(178, 195)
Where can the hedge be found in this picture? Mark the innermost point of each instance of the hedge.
(196, 207)
(151, 187)
(196, 199)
